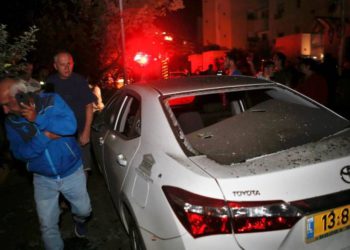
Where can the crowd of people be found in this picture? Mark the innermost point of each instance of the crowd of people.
(50, 129)
(320, 81)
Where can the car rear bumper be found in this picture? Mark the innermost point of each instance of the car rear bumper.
(186, 241)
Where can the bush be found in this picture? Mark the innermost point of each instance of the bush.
(13, 53)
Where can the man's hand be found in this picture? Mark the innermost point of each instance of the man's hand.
(51, 135)
(28, 111)
(84, 138)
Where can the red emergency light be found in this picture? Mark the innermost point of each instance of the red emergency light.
(168, 38)
(141, 58)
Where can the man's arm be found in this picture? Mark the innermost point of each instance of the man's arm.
(84, 137)
(57, 118)
(26, 150)
(51, 123)
(29, 150)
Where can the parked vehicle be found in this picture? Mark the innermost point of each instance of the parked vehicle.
(225, 162)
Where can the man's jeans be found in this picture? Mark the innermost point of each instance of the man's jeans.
(46, 192)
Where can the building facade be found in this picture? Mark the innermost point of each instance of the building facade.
(246, 24)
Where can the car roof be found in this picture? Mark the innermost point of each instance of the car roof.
(197, 83)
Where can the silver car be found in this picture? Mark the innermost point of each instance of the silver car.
(225, 163)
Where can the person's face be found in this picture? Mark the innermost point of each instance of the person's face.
(228, 63)
(64, 65)
(276, 61)
(29, 68)
(268, 70)
(7, 102)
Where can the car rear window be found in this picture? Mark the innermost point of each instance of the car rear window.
(233, 126)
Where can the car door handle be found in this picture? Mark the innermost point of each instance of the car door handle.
(101, 141)
(122, 160)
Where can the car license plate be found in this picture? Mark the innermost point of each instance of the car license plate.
(326, 223)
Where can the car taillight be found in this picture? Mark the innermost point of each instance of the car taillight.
(249, 217)
(203, 216)
(198, 214)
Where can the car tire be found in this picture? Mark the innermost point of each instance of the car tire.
(135, 238)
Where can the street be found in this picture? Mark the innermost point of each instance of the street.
(19, 226)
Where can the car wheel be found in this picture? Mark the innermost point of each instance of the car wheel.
(135, 238)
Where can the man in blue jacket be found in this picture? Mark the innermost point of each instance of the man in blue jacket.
(40, 129)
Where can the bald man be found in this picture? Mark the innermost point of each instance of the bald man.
(74, 89)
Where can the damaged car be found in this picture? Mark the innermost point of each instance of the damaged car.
(224, 162)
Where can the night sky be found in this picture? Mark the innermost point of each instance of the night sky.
(18, 15)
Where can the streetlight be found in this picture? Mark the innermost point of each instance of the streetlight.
(342, 37)
(123, 40)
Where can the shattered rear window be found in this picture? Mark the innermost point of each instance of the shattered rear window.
(231, 127)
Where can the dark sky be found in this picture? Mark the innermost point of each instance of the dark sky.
(18, 15)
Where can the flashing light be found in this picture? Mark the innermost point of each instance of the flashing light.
(141, 58)
(168, 38)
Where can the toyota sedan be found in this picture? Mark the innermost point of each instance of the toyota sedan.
(225, 163)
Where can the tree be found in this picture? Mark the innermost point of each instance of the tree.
(90, 29)
(13, 54)
(139, 17)
(67, 25)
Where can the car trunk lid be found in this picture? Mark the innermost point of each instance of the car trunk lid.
(303, 180)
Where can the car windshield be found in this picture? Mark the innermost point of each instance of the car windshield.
(233, 126)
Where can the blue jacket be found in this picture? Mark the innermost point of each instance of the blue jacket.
(52, 158)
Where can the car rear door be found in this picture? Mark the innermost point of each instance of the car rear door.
(121, 143)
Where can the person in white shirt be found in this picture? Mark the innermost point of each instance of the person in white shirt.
(98, 104)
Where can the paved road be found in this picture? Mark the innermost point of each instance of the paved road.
(19, 228)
